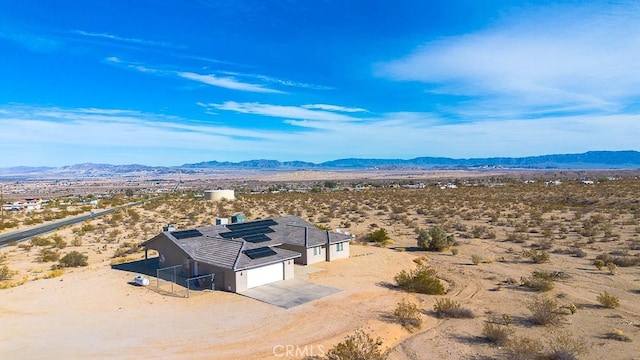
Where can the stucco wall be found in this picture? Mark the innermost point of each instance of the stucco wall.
(299, 249)
(322, 256)
(334, 254)
(289, 270)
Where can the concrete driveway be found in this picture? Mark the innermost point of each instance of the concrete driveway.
(289, 293)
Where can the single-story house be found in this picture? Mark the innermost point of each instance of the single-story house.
(248, 254)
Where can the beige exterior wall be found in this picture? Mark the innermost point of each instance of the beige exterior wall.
(289, 269)
(334, 254)
(299, 249)
(322, 255)
(168, 252)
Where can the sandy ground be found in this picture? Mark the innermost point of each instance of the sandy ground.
(94, 312)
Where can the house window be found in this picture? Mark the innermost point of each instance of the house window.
(316, 250)
(339, 246)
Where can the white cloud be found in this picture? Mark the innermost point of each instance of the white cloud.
(226, 82)
(270, 79)
(47, 136)
(333, 108)
(127, 39)
(579, 57)
(286, 112)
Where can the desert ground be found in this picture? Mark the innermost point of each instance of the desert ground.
(497, 220)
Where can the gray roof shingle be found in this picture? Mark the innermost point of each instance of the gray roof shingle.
(228, 253)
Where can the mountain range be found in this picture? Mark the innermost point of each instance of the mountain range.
(589, 160)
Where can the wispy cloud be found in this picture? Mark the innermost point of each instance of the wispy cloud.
(550, 59)
(130, 40)
(226, 82)
(50, 135)
(285, 112)
(269, 79)
(334, 108)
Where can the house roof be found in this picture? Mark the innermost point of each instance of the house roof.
(225, 246)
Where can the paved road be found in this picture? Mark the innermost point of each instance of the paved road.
(22, 235)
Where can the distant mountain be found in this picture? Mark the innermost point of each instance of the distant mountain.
(589, 160)
(251, 164)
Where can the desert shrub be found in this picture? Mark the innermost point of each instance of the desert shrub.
(48, 255)
(5, 273)
(538, 257)
(436, 239)
(476, 259)
(422, 280)
(544, 311)
(550, 275)
(448, 308)
(77, 241)
(613, 268)
(125, 249)
(455, 251)
(524, 348)
(74, 259)
(599, 264)
(357, 346)
(408, 315)
(25, 247)
(378, 236)
(608, 301)
(58, 241)
(579, 253)
(53, 273)
(38, 241)
(538, 284)
(563, 346)
(495, 333)
(622, 261)
(617, 334)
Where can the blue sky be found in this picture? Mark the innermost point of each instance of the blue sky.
(172, 82)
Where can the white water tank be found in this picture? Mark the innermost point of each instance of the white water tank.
(217, 195)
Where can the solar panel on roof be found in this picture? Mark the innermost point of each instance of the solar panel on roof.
(185, 234)
(257, 238)
(251, 224)
(260, 252)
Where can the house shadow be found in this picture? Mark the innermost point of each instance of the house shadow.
(143, 267)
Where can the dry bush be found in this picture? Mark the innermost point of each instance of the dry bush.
(537, 257)
(495, 333)
(422, 280)
(476, 259)
(448, 308)
(6, 273)
(544, 311)
(537, 284)
(436, 239)
(608, 301)
(48, 255)
(53, 273)
(618, 335)
(74, 259)
(408, 315)
(357, 346)
(564, 346)
(524, 348)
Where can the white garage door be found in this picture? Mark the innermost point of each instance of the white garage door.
(265, 275)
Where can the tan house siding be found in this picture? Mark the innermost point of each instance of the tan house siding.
(334, 254)
(321, 254)
(299, 249)
(288, 270)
